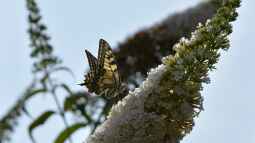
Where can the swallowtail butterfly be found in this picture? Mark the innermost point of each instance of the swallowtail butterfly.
(103, 75)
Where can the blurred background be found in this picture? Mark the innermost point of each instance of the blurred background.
(77, 25)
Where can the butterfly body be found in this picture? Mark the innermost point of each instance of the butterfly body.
(103, 74)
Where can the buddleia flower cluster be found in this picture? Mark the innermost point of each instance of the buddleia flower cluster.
(164, 106)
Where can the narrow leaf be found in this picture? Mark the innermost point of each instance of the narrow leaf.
(39, 121)
(66, 87)
(65, 134)
(34, 92)
(72, 101)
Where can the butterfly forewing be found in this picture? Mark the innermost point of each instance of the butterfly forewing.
(101, 51)
(110, 78)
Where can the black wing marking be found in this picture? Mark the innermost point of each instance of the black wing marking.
(92, 61)
(103, 46)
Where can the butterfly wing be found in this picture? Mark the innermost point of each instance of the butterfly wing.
(92, 61)
(91, 77)
(102, 51)
(110, 77)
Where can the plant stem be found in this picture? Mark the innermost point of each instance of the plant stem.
(62, 113)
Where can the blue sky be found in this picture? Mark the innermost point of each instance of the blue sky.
(75, 25)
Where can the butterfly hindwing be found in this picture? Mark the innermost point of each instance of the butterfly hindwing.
(92, 61)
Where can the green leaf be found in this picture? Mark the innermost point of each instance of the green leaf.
(33, 92)
(65, 134)
(39, 121)
(72, 101)
(66, 87)
(68, 103)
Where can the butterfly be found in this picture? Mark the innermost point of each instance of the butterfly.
(103, 74)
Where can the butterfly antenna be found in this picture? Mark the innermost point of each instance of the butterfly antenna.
(81, 84)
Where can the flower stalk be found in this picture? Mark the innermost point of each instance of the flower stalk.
(164, 106)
